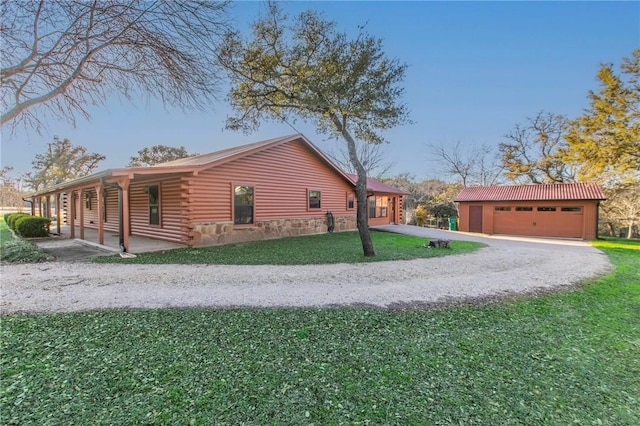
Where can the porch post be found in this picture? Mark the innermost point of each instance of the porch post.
(58, 212)
(47, 204)
(126, 224)
(81, 216)
(71, 207)
(40, 206)
(33, 206)
(100, 214)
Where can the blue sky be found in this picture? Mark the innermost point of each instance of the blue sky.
(475, 70)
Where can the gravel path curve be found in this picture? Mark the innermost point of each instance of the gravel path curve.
(504, 268)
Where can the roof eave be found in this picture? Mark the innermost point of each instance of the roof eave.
(82, 181)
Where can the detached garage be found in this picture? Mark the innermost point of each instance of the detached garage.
(568, 210)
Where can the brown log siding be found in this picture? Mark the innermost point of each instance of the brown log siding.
(281, 177)
(196, 204)
(171, 226)
(91, 215)
(111, 201)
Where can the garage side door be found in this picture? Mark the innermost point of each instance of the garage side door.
(475, 218)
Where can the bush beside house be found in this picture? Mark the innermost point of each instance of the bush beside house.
(28, 226)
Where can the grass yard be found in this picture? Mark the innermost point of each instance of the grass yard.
(5, 232)
(340, 247)
(18, 251)
(571, 358)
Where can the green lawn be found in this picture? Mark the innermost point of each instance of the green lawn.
(340, 247)
(5, 232)
(17, 250)
(571, 358)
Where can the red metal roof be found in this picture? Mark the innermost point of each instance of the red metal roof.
(377, 186)
(543, 192)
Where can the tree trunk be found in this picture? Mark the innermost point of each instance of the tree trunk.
(612, 229)
(361, 216)
(361, 189)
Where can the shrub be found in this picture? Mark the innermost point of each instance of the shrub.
(12, 217)
(6, 216)
(421, 215)
(32, 226)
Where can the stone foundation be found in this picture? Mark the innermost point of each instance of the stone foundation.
(220, 233)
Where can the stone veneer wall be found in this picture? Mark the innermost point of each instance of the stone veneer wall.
(220, 233)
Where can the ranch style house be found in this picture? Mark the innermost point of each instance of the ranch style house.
(271, 189)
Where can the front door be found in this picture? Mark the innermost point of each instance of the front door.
(475, 218)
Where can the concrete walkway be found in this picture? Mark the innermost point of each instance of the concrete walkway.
(112, 241)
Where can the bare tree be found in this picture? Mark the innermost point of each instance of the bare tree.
(475, 166)
(533, 153)
(10, 192)
(58, 57)
(434, 195)
(621, 210)
(372, 158)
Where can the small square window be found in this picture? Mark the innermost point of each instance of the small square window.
(571, 209)
(351, 201)
(546, 209)
(503, 209)
(314, 199)
(524, 209)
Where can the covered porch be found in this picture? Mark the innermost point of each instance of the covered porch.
(111, 241)
(131, 210)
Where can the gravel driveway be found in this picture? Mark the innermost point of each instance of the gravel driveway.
(506, 267)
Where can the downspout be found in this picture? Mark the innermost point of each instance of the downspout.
(120, 213)
(29, 201)
(597, 219)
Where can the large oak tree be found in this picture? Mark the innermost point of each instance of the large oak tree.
(158, 154)
(478, 165)
(304, 68)
(532, 152)
(62, 162)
